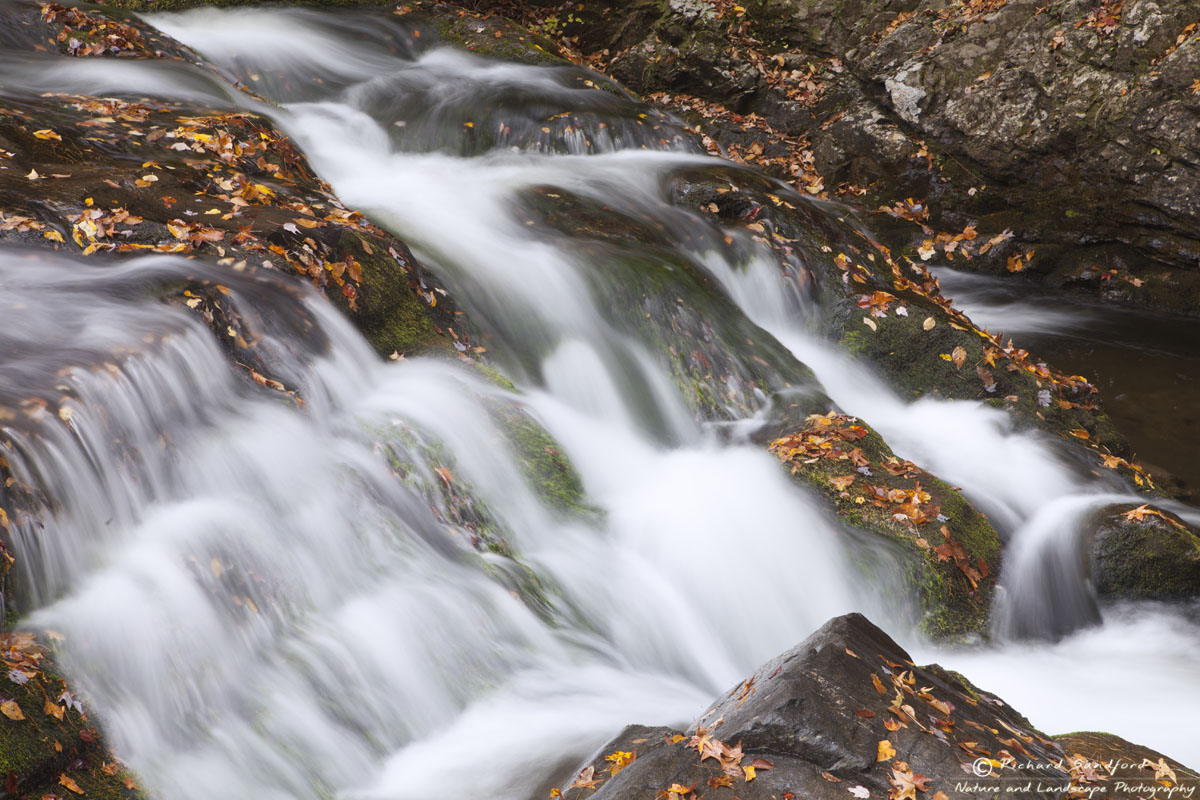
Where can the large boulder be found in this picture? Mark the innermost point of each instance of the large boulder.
(1143, 553)
(846, 713)
(1066, 129)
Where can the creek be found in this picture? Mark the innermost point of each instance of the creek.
(264, 601)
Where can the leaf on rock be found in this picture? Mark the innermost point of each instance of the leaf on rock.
(10, 709)
(885, 751)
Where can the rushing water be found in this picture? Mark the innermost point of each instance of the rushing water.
(277, 602)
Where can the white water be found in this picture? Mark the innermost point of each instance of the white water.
(381, 657)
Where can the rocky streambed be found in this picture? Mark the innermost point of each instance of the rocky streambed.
(210, 177)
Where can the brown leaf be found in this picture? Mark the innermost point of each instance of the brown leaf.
(842, 482)
(11, 710)
(53, 709)
(959, 356)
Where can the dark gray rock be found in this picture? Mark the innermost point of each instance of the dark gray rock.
(812, 720)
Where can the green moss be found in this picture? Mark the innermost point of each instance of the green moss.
(40, 747)
(545, 467)
(949, 606)
(1151, 559)
(493, 376)
(390, 315)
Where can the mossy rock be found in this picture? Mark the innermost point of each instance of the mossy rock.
(725, 366)
(949, 551)
(1156, 557)
(47, 743)
(544, 465)
(227, 188)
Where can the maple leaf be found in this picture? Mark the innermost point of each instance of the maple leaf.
(1140, 513)
(906, 783)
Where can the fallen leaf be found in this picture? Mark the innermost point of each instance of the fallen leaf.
(929, 323)
(885, 751)
(842, 482)
(70, 784)
(11, 710)
(53, 709)
(959, 356)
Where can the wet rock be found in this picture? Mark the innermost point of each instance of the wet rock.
(109, 176)
(1143, 553)
(1072, 125)
(47, 743)
(847, 714)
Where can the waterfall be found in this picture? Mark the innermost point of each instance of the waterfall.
(266, 598)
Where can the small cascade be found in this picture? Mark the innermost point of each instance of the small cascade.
(348, 587)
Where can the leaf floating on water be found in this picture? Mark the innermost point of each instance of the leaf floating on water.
(11, 710)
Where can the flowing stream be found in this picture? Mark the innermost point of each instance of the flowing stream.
(264, 601)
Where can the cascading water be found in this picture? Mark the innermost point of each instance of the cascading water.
(265, 600)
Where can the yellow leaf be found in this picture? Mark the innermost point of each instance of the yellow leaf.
(53, 710)
(870, 323)
(1080, 433)
(54, 236)
(885, 751)
(46, 133)
(749, 773)
(70, 784)
(11, 710)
